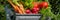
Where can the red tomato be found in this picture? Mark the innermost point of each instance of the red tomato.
(43, 4)
(28, 11)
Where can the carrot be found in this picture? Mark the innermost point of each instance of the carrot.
(15, 7)
(22, 8)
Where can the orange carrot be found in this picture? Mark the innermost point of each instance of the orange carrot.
(15, 7)
(22, 8)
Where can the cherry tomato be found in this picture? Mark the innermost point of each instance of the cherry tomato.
(43, 4)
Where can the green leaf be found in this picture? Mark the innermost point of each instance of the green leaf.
(47, 12)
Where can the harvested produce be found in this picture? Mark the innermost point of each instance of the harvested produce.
(28, 11)
(43, 5)
(35, 4)
(35, 10)
(15, 7)
(19, 5)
